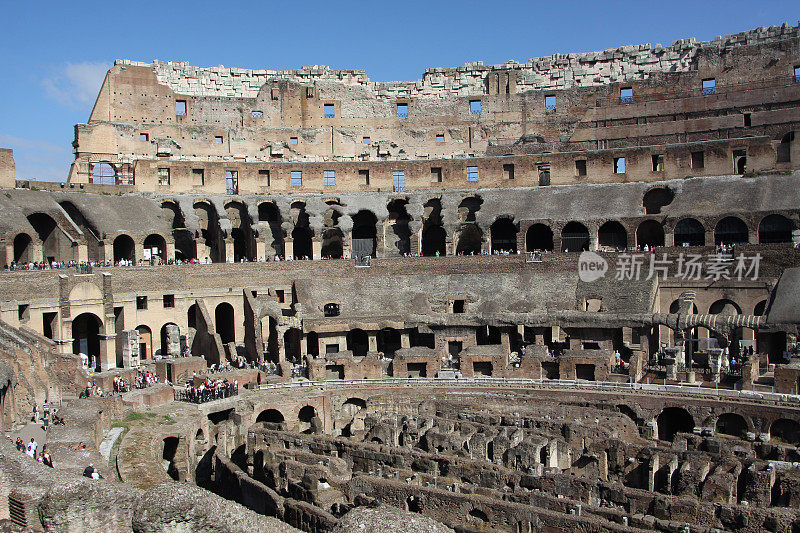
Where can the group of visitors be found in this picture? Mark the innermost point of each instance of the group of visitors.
(46, 417)
(142, 380)
(210, 390)
(31, 448)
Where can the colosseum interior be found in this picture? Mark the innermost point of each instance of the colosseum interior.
(542, 296)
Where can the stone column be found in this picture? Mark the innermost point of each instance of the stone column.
(316, 249)
(83, 253)
(170, 252)
(229, 255)
(108, 350)
(37, 251)
(130, 348)
(372, 341)
(288, 248)
(261, 251)
(173, 341)
(405, 340)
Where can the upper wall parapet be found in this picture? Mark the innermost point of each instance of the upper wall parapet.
(559, 71)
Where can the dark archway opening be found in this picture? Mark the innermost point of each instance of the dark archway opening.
(650, 233)
(399, 223)
(168, 454)
(785, 148)
(785, 430)
(270, 416)
(612, 235)
(332, 244)
(674, 420)
(504, 236)
(157, 246)
(388, 341)
(730, 230)
(539, 238)
(731, 424)
(268, 212)
(224, 320)
(775, 228)
(86, 337)
(23, 249)
(657, 198)
(574, 237)
(306, 418)
(690, 232)
(358, 342)
(365, 234)
(291, 344)
(469, 240)
(210, 232)
(434, 241)
(124, 248)
(244, 244)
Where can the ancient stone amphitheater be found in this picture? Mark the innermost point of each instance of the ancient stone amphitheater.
(553, 295)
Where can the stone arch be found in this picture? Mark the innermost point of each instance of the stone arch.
(242, 234)
(86, 329)
(784, 151)
(185, 246)
(760, 308)
(434, 240)
(388, 341)
(730, 230)
(210, 237)
(503, 234)
(172, 212)
(301, 233)
(613, 235)
(306, 417)
(55, 245)
(574, 237)
(145, 342)
(191, 315)
(269, 213)
(169, 453)
(724, 307)
(399, 226)
(774, 228)
(330, 309)
(785, 430)
(674, 420)
(23, 248)
(656, 198)
(539, 237)
(650, 233)
(224, 322)
(358, 342)
(157, 245)
(364, 234)
(470, 240)
(731, 424)
(291, 344)
(124, 248)
(332, 243)
(689, 231)
(270, 416)
(104, 173)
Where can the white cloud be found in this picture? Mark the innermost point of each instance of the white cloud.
(37, 159)
(75, 84)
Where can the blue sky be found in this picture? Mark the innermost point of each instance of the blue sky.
(54, 54)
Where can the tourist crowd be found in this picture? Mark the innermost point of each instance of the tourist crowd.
(30, 449)
(209, 390)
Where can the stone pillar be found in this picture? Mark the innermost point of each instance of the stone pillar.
(405, 340)
(173, 340)
(669, 238)
(594, 238)
(229, 251)
(130, 348)
(715, 362)
(138, 252)
(83, 253)
(372, 340)
(108, 351)
(170, 252)
(261, 251)
(316, 249)
(288, 248)
(37, 251)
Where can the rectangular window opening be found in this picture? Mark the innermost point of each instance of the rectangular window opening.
(141, 302)
(263, 177)
(474, 107)
(402, 110)
(330, 111)
(292, 140)
(198, 176)
(163, 176)
(398, 180)
(748, 120)
(169, 301)
(218, 139)
(231, 182)
(366, 140)
(626, 95)
(658, 162)
(257, 114)
(797, 74)
(550, 102)
(436, 174)
(709, 86)
(698, 160)
(580, 167)
(440, 138)
(144, 137)
(49, 324)
(619, 165)
(363, 176)
(180, 108)
(297, 178)
(23, 312)
(329, 178)
(458, 306)
(472, 173)
(508, 171)
(279, 294)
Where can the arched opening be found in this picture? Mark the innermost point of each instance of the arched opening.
(612, 235)
(388, 341)
(657, 198)
(332, 247)
(244, 245)
(400, 231)
(55, 245)
(224, 321)
(504, 236)
(301, 234)
(760, 308)
(191, 316)
(86, 338)
(434, 241)
(731, 424)
(785, 148)
(364, 236)
(414, 504)
(774, 228)
(330, 309)
(156, 245)
(478, 515)
(786, 431)
(185, 248)
(291, 344)
(23, 248)
(730, 230)
(539, 238)
(211, 243)
(470, 239)
(172, 213)
(358, 342)
(145, 342)
(104, 173)
(312, 344)
(724, 307)
(268, 212)
(574, 237)
(270, 416)
(170, 347)
(740, 163)
(674, 420)
(124, 248)
(93, 237)
(469, 207)
(690, 232)
(169, 453)
(306, 418)
(650, 233)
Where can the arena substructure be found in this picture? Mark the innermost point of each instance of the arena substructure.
(558, 295)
